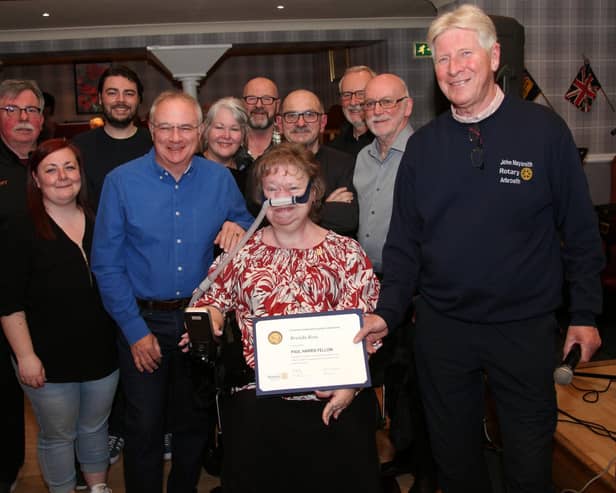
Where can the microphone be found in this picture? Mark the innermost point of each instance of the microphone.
(563, 375)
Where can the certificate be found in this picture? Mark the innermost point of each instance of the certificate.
(302, 353)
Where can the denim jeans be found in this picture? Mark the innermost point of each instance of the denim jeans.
(159, 402)
(72, 418)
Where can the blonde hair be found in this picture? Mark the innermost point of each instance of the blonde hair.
(464, 17)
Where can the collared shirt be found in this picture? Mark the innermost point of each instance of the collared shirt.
(374, 180)
(346, 141)
(490, 110)
(154, 237)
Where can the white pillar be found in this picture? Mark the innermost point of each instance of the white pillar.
(190, 83)
(188, 63)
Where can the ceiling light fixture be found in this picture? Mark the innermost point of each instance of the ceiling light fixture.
(280, 7)
(46, 14)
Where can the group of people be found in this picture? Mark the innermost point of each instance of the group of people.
(421, 229)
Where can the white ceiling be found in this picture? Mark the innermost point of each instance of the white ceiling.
(27, 14)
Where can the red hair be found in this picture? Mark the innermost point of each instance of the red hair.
(34, 197)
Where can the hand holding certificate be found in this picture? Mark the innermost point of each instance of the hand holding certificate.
(302, 353)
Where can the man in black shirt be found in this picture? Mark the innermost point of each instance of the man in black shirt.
(354, 134)
(21, 121)
(303, 121)
(120, 140)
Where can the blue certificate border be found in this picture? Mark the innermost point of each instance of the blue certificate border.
(255, 322)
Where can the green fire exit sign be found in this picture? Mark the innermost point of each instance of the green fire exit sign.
(422, 50)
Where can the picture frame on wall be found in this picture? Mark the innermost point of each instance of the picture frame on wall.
(86, 84)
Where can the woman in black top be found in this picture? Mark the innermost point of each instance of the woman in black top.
(63, 341)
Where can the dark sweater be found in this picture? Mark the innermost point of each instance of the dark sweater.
(484, 245)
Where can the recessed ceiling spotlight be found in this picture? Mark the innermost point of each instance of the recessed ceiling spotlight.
(280, 7)
(46, 14)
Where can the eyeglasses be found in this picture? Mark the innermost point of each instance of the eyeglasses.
(167, 128)
(308, 116)
(385, 103)
(12, 110)
(347, 95)
(474, 136)
(265, 100)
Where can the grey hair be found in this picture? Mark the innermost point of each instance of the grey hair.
(355, 69)
(174, 94)
(14, 87)
(235, 106)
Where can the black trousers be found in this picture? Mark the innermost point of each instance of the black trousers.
(273, 445)
(12, 451)
(157, 402)
(518, 358)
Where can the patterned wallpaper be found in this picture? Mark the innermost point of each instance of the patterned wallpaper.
(558, 33)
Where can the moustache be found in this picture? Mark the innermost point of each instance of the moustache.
(258, 111)
(354, 107)
(379, 119)
(300, 130)
(24, 126)
(120, 106)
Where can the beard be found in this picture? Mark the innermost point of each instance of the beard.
(260, 124)
(354, 116)
(118, 122)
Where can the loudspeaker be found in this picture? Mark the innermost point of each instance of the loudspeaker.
(511, 38)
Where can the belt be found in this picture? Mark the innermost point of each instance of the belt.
(164, 305)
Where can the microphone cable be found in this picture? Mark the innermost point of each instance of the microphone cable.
(596, 428)
(591, 480)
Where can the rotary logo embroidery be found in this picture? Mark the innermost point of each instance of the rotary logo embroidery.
(514, 172)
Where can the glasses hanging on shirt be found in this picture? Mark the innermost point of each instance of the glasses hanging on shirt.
(474, 136)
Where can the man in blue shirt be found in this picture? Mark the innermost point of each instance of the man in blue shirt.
(158, 221)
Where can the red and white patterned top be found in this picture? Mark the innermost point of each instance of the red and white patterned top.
(264, 281)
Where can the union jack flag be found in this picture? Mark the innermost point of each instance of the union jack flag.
(583, 90)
